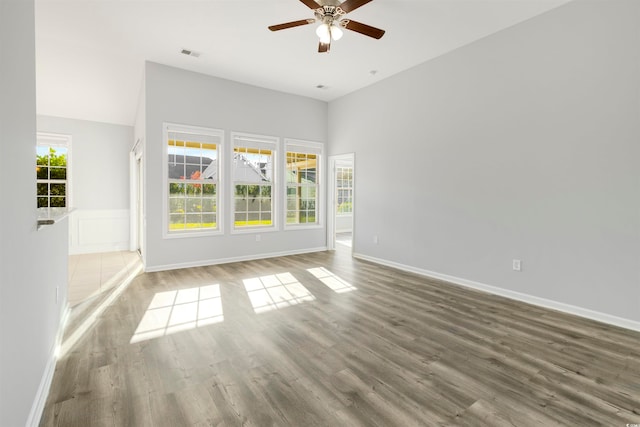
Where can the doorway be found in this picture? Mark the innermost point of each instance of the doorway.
(341, 206)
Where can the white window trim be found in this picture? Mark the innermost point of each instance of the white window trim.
(59, 140)
(257, 141)
(196, 130)
(343, 165)
(299, 145)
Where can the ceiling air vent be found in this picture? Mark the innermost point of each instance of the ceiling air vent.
(189, 52)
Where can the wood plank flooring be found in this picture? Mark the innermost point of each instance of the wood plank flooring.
(398, 350)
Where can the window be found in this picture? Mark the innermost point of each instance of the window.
(344, 187)
(52, 170)
(193, 177)
(253, 181)
(303, 169)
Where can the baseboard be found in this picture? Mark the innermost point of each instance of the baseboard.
(205, 263)
(47, 377)
(518, 296)
(95, 249)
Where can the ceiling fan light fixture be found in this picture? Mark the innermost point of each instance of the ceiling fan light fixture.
(324, 33)
(336, 32)
(329, 32)
(331, 17)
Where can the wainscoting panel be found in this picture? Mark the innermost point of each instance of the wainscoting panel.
(93, 231)
(344, 223)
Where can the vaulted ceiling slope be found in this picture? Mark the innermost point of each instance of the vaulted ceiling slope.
(90, 53)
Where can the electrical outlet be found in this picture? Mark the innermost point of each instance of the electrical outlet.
(258, 238)
(517, 265)
(375, 239)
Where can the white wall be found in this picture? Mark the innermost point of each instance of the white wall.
(523, 145)
(141, 113)
(32, 263)
(99, 182)
(183, 97)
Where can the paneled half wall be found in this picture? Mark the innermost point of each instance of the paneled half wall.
(103, 230)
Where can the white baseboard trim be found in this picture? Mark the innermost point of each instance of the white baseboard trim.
(47, 377)
(205, 263)
(518, 296)
(95, 249)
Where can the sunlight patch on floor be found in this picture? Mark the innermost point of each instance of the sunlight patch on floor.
(332, 281)
(275, 291)
(344, 242)
(344, 239)
(179, 310)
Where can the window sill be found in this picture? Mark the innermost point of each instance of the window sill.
(254, 230)
(189, 234)
(293, 227)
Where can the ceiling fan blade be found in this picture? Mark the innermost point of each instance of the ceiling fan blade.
(365, 29)
(351, 5)
(291, 24)
(324, 47)
(311, 4)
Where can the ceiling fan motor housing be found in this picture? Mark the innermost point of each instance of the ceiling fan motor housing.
(329, 14)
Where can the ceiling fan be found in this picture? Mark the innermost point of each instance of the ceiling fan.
(330, 14)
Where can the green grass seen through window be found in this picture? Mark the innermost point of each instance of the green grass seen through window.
(191, 226)
(253, 223)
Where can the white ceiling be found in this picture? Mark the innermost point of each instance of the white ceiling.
(90, 53)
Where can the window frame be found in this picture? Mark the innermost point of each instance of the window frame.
(249, 140)
(344, 166)
(48, 139)
(308, 147)
(195, 130)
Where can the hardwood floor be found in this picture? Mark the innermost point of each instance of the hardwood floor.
(353, 344)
